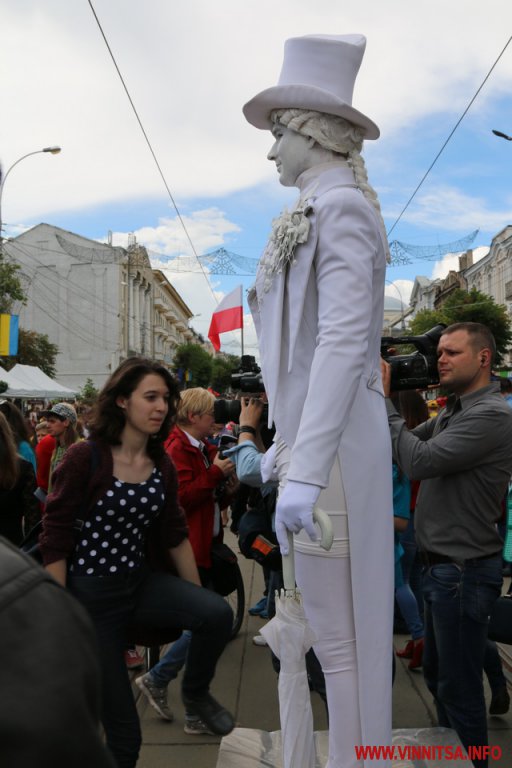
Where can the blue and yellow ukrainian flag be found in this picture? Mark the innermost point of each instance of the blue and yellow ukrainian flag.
(9, 335)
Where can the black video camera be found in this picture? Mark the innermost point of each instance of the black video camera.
(248, 379)
(419, 369)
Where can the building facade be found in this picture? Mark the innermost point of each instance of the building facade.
(493, 274)
(98, 303)
(423, 295)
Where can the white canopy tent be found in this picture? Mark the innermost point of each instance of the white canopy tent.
(27, 381)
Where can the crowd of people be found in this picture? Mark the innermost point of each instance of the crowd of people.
(131, 510)
(141, 420)
(115, 534)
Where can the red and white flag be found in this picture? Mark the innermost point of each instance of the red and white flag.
(227, 317)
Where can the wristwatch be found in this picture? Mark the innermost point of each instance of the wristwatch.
(248, 429)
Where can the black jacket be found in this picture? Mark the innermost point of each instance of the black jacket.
(49, 708)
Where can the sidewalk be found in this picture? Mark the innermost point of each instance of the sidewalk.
(246, 684)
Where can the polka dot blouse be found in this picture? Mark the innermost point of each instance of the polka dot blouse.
(112, 539)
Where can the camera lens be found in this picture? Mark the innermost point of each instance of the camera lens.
(226, 410)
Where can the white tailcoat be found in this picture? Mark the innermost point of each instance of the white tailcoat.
(319, 328)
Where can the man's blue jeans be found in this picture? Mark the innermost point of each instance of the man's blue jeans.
(458, 601)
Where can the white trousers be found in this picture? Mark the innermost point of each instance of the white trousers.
(325, 583)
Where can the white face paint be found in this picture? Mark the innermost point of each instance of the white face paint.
(292, 154)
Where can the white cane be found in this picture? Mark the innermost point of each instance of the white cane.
(327, 535)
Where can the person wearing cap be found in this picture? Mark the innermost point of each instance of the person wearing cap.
(317, 305)
(61, 419)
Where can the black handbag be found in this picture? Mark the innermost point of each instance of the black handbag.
(224, 570)
(256, 538)
(30, 544)
(500, 621)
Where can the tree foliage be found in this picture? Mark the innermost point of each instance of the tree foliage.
(34, 349)
(222, 369)
(192, 365)
(89, 392)
(476, 307)
(10, 284)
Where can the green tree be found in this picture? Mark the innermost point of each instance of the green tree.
(222, 368)
(191, 360)
(10, 284)
(472, 306)
(89, 392)
(423, 321)
(34, 349)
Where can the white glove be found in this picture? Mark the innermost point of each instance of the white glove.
(268, 465)
(294, 511)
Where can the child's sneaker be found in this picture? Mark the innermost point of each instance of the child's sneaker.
(196, 727)
(156, 695)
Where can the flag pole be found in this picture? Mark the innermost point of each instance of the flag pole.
(242, 326)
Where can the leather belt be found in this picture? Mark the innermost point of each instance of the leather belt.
(433, 558)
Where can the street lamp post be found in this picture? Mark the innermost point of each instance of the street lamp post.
(51, 150)
(395, 286)
(502, 135)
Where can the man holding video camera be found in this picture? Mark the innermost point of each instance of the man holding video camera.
(464, 461)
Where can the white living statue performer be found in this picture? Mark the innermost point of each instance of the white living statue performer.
(318, 309)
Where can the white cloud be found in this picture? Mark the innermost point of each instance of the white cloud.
(400, 289)
(206, 228)
(201, 291)
(189, 68)
(451, 261)
(448, 208)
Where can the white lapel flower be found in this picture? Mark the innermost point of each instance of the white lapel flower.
(289, 230)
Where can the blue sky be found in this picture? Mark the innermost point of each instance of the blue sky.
(190, 68)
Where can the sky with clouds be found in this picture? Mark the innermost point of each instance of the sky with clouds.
(189, 68)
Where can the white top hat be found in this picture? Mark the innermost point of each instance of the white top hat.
(318, 73)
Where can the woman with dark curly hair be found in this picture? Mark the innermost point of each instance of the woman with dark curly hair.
(124, 486)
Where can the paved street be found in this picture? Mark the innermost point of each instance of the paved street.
(247, 685)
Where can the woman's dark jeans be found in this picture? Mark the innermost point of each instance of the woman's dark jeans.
(156, 600)
(411, 566)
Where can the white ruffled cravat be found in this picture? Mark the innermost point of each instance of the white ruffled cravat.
(291, 228)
